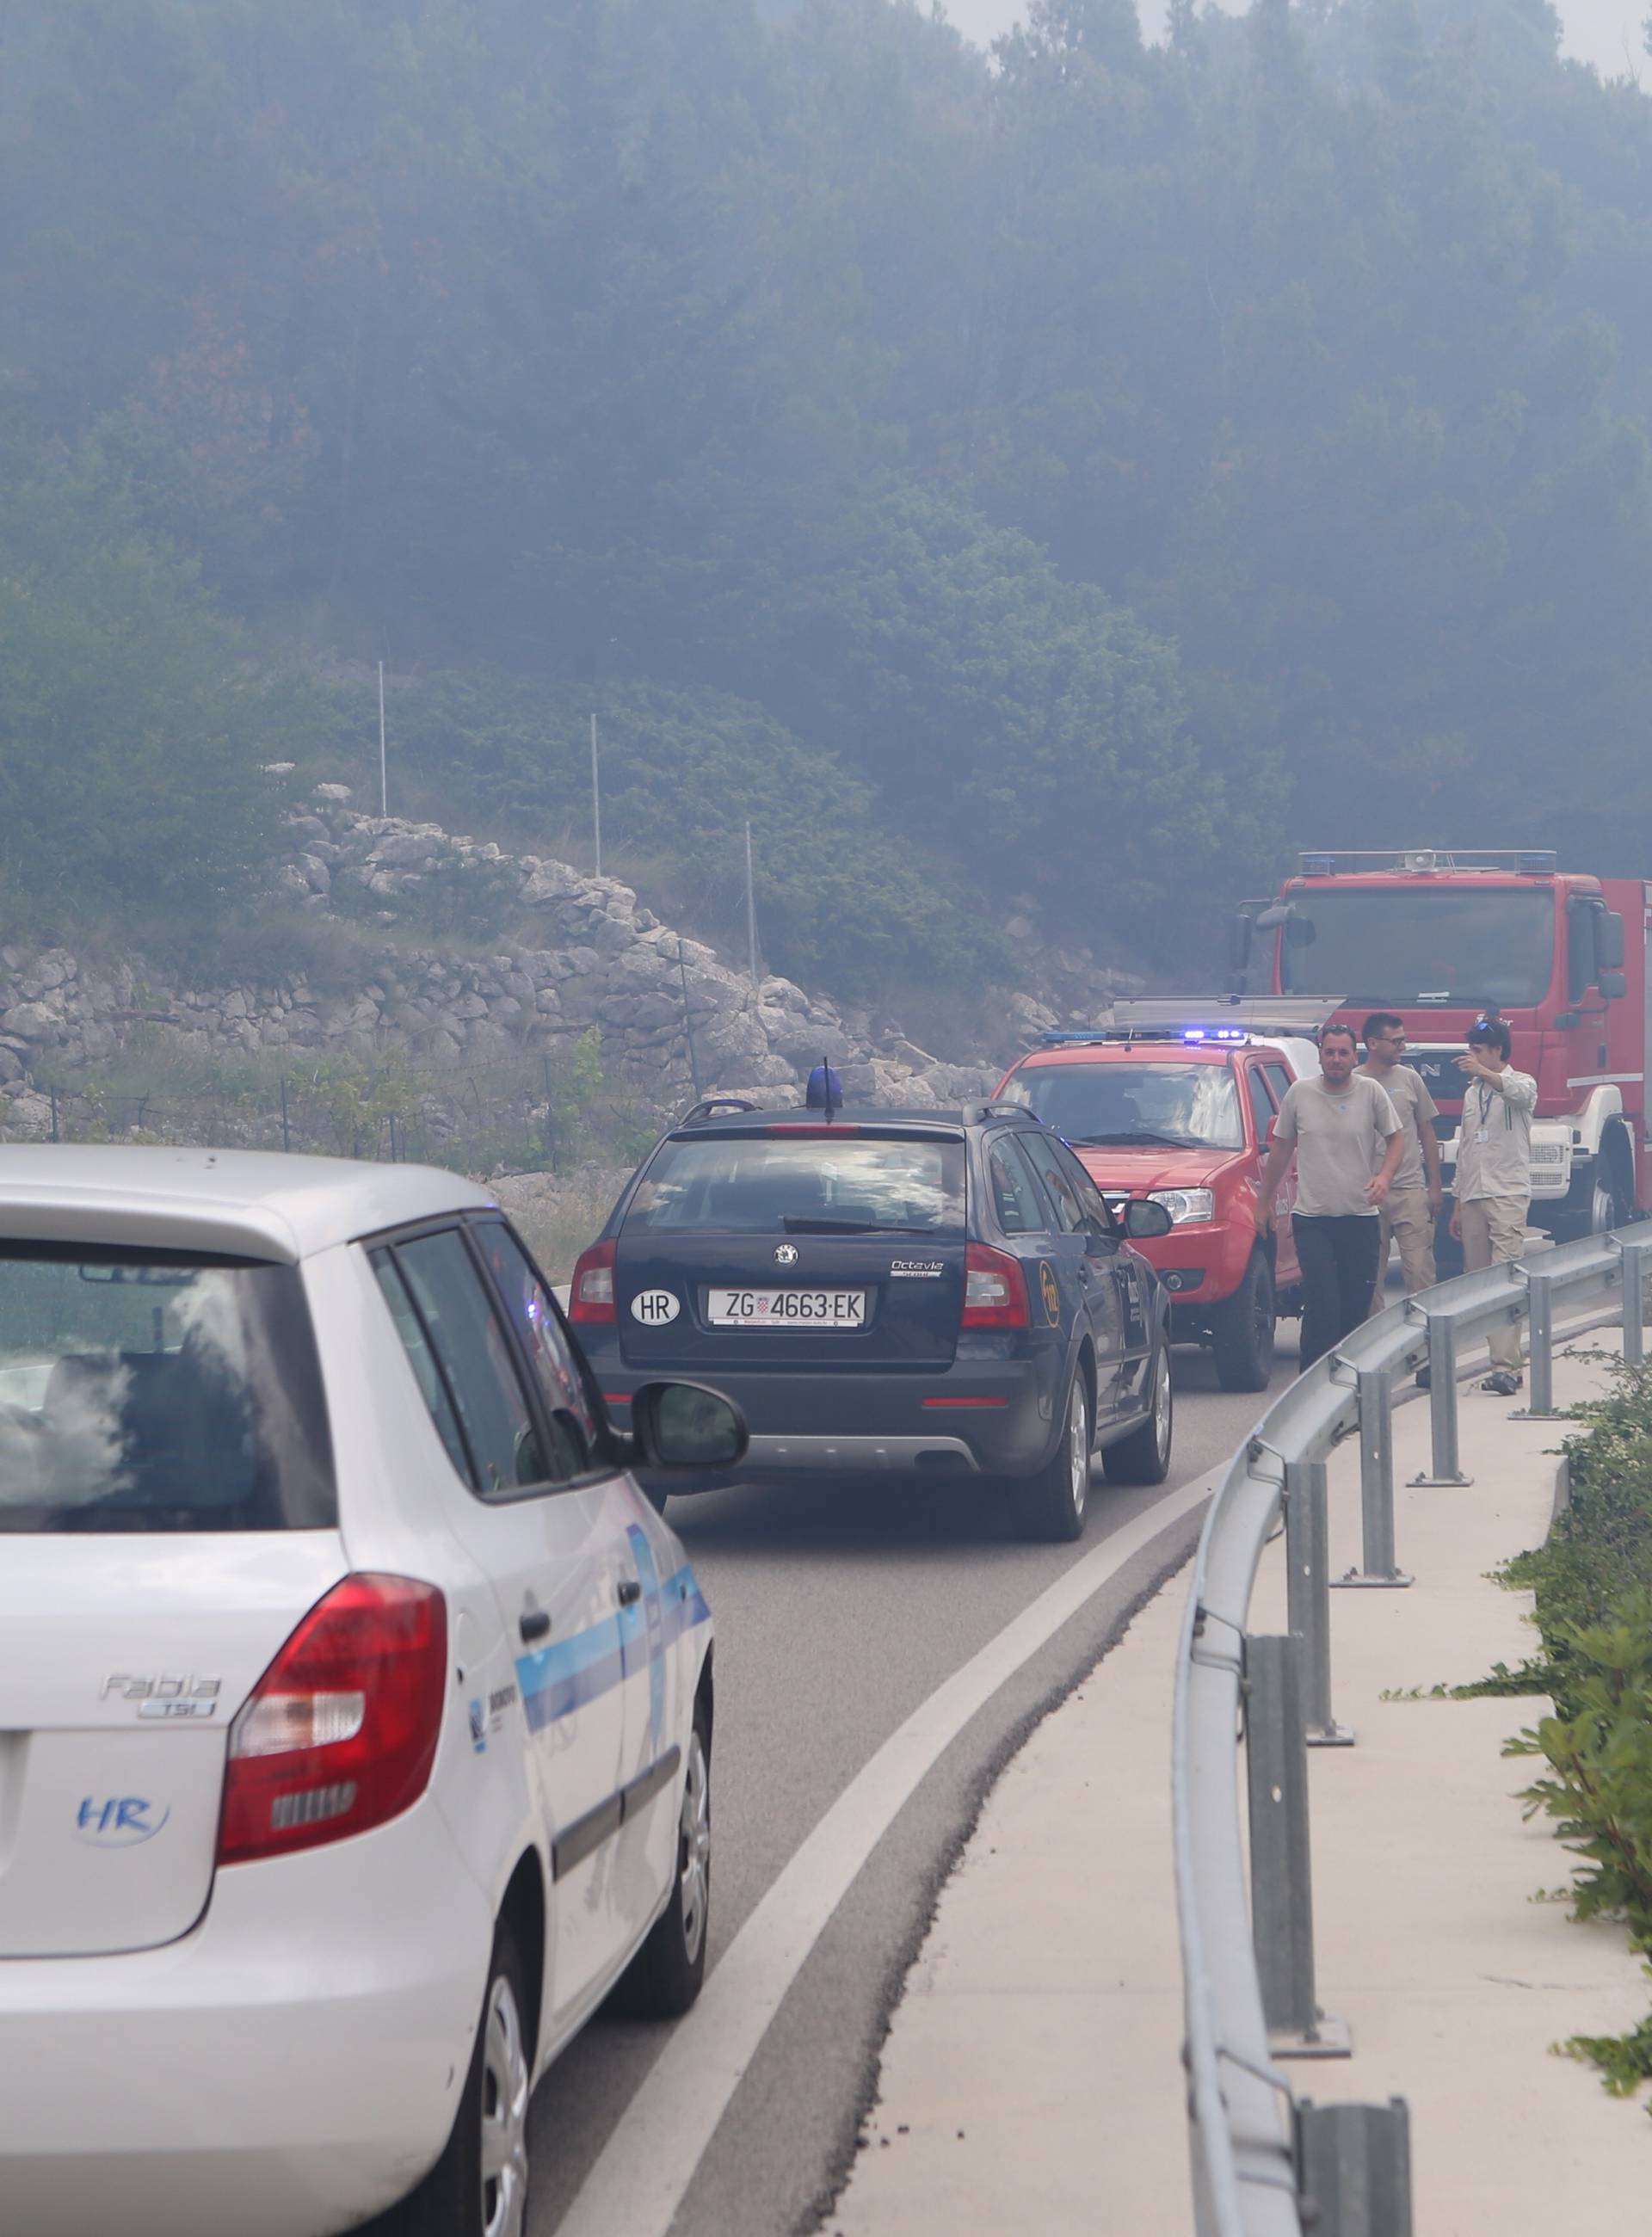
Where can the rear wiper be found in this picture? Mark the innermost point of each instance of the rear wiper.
(1128, 1136)
(798, 1227)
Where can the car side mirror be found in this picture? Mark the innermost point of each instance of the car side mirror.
(1143, 1219)
(684, 1425)
(1613, 984)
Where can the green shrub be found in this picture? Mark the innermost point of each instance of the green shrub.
(1593, 1584)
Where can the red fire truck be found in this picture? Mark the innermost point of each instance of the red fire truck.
(1442, 936)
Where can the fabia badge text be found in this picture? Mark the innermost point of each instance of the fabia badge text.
(165, 1694)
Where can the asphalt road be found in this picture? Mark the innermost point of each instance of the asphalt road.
(839, 1613)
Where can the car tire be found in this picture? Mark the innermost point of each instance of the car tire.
(664, 1978)
(479, 2186)
(1144, 1455)
(1243, 1327)
(1050, 1505)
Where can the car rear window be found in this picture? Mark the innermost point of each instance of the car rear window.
(158, 1391)
(767, 1184)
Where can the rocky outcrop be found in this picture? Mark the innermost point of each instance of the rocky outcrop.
(583, 954)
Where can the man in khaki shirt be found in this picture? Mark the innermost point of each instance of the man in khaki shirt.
(1409, 1211)
(1493, 1186)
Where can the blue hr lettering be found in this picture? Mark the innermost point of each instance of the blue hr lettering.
(122, 1814)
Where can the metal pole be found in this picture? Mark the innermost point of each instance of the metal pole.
(595, 793)
(1540, 1294)
(1633, 1304)
(287, 1138)
(393, 1158)
(751, 914)
(1354, 2168)
(1442, 1401)
(1376, 1482)
(688, 1024)
(1275, 1762)
(1307, 1561)
(52, 1092)
(384, 785)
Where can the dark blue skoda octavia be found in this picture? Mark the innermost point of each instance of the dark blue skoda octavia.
(935, 1293)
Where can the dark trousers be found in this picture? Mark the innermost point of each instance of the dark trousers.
(1338, 1261)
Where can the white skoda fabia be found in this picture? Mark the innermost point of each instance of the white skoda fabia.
(355, 1706)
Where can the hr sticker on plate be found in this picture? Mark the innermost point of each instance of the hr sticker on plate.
(654, 1308)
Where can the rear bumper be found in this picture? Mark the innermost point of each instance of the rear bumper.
(984, 1415)
(828, 1456)
(288, 2068)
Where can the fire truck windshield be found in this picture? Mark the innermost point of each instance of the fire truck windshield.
(1412, 944)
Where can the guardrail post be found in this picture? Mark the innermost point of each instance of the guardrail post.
(1376, 1482)
(1307, 1568)
(1540, 1290)
(1276, 1761)
(1442, 1401)
(1634, 1301)
(1354, 2168)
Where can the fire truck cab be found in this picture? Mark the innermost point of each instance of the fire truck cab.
(1442, 936)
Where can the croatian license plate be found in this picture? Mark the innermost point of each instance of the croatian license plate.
(786, 1309)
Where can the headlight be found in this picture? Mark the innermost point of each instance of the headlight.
(1185, 1205)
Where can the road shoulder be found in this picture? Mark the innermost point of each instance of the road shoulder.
(1032, 2077)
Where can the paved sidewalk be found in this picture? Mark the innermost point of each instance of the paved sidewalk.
(1032, 2079)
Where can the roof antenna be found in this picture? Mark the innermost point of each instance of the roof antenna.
(825, 1090)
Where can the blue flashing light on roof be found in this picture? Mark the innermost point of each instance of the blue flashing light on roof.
(1538, 862)
(1318, 865)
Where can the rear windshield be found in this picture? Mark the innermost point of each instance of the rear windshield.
(147, 1391)
(766, 1184)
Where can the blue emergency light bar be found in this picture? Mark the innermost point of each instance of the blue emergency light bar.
(1525, 861)
(1097, 1034)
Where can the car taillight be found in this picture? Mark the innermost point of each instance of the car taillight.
(994, 1290)
(339, 1733)
(591, 1296)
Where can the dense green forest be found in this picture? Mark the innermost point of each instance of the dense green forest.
(1083, 474)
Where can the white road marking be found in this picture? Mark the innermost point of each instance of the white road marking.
(639, 2178)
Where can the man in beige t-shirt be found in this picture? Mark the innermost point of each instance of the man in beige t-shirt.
(1348, 1143)
(1416, 1193)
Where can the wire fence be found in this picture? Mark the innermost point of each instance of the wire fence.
(538, 1113)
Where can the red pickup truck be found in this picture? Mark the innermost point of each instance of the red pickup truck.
(1176, 1103)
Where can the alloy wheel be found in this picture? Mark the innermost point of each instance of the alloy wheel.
(1161, 1407)
(1078, 1448)
(694, 1848)
(505, 2116)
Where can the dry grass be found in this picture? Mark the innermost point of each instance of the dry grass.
(558, 1216)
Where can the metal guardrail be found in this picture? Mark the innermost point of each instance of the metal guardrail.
(1265, 2163)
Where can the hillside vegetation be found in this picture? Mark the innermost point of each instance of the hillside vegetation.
(1079, 475)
